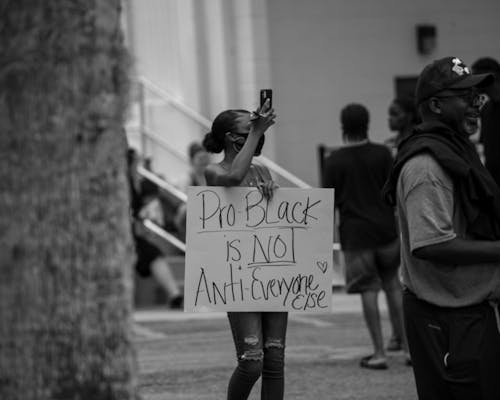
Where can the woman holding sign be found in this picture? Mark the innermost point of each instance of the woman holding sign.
(259, 337)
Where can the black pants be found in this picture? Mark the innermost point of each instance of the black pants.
(259, 338)
(455, 351)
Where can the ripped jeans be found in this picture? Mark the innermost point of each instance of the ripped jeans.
(259, 338)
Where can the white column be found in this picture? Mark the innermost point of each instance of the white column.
(216, 57)
(189, 59)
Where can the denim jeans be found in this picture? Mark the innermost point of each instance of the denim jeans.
(259, 338)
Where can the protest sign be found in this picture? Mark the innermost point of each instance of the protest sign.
(247, 254)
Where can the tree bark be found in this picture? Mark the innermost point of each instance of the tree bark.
(65, 243)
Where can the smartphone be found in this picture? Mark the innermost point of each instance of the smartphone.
(264, 95)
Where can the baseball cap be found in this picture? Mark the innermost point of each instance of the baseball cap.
(448, 73)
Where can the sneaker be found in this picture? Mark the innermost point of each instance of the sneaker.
(394, 344)
(373, 363)
(177, 302)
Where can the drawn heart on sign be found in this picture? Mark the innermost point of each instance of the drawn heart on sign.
(322, 265)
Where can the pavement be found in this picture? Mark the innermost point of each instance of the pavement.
(341, 303)
(191, 356)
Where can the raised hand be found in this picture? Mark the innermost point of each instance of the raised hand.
(262, 119)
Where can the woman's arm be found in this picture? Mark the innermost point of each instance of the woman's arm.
(217, 176)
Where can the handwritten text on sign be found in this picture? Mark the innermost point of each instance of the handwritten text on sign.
(247, 254)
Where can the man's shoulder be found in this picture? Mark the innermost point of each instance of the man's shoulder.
(368, 147)
(336, 155)
(424, 168)
(422, 160)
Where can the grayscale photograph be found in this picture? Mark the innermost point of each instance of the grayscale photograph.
(249, 200)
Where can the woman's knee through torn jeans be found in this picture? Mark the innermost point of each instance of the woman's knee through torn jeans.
(259, 338)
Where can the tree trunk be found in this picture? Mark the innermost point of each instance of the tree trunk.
(65, 243)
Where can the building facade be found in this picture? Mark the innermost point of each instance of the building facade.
(317, 56)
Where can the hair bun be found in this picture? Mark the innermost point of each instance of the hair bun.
(212, 145)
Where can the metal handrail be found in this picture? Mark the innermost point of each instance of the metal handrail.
(174, 102)
(206, 124)
(162, 183)
(163, 143)
(284, 173)
(179, 194)
(158, 230)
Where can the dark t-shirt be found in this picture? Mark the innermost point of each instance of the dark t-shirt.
(358, 173)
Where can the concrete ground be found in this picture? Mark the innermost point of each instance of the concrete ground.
(191, 356)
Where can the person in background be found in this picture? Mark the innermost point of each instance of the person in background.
(145, 205)
(402, 119)
(199, 159)
(490, 116)
(368, 234)
(449, 216)
(259, 337)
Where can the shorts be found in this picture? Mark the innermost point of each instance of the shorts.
(367, 269)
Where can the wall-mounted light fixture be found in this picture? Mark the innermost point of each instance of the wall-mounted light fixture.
(426, 39)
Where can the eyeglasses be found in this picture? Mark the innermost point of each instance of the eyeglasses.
(472, 97)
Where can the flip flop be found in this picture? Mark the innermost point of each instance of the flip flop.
(370, 363)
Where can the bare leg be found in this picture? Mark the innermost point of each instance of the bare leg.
(371, 313)
(163, 275)
(394, 295)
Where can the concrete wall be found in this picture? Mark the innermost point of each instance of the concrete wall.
(327, 53)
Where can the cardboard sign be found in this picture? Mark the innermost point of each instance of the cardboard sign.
(247, 254)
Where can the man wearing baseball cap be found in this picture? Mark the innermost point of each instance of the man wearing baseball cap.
(449, 213)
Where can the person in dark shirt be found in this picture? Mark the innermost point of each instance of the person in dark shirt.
(490, 116)
(368, 234)
(199, 159)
